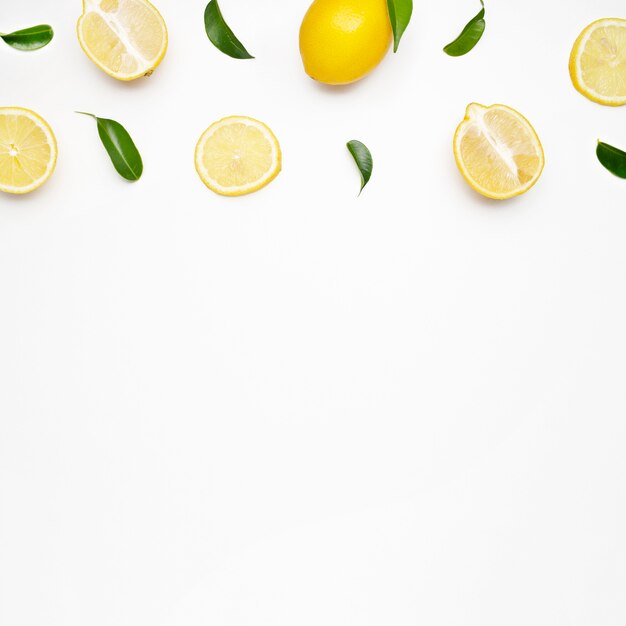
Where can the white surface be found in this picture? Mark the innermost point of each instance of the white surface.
(300, 407)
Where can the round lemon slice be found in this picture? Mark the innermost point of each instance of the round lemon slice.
(28, 150)
(125, 38)
(237, 155)
(598, 62)
(498, 151)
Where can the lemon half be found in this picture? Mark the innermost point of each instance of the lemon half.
(125, 38)
(598, 62)
(28, 150)
(498, 151)
(237, 155)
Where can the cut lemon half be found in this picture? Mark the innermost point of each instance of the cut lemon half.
(597, 64)
(28, 150)
(498, 151)
(125, 38)
(237, 155)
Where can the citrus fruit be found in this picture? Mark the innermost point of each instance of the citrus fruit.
(28, 150)
(498, 151)
(341, 41)
(237, 155)
(597, 64)
(125, 38)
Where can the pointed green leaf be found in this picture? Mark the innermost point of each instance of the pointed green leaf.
(120, 147)
(612, 158)
(400, 15)
(363, 159)
(31, 38)
(469, 36)
(220, 35)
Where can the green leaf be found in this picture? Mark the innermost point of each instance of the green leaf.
(469, 36)
(121, 148)
(363, 159)
(221, 36)
(400, 15)
(31, 38)
(612, 158)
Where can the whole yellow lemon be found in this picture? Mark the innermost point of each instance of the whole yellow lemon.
(343, 40)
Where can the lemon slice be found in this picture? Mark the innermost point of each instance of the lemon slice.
(237, 155)
(125, 38)
(498, 151)
(597, 64)
(28, 150)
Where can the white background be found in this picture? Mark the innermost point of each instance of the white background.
(302, 407)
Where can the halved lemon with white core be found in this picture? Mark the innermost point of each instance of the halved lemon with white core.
(125, 38)
(237, 155)
(598, 62)
(498, 151)
(28, 150)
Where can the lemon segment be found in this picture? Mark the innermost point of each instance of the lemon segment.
(341, 41)
(598, 62)
(28, 150)
(125, 38)
(497, 151)
(237, 155)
